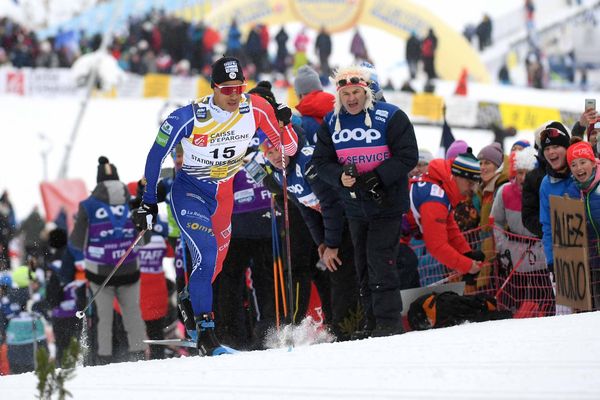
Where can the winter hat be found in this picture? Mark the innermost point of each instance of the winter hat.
(353, 75)
(554, 134)
(263, 89)
(492, 153)
(21, 276)
(57, 238)
(522, 143)
(307, 80)
(425, 156)
(537, 133)
(466, 165)
(525, 159)
(373, 79)
(457, 147)
(106, 171)
(226, 69)
(580, 150)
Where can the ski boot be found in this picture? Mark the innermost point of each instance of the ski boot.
(207, 343)
(184, 306)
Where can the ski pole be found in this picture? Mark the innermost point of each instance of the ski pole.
(286, 220)
(446, 279)
(80, 314)
(275, 256)
(279, 268)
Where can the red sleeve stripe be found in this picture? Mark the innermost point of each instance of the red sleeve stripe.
(273, 137)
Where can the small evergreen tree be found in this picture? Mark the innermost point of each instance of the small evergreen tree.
(352, 322)
(51, 379)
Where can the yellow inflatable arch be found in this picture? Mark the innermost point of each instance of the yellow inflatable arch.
(397, 17)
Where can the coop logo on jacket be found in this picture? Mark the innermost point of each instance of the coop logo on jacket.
(356, 134)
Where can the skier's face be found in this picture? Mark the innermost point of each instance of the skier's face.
(227, 95)
(582, 169)
(465, 186)
(353, 98)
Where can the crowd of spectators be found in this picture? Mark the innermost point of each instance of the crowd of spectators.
(162, 43)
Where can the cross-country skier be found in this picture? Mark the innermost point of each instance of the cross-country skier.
(215, 132)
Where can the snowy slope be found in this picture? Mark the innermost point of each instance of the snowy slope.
(542, 358)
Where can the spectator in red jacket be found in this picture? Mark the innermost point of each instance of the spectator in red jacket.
(433, 198)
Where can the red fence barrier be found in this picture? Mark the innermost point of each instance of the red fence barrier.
(514, 271)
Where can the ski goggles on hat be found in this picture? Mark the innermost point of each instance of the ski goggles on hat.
(552, 133)
(231, 89)
(355, 80)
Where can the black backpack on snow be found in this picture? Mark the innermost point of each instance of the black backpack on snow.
(440, 310)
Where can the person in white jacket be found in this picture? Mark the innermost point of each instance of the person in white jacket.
(516, 246)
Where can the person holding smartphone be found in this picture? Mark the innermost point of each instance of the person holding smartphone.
(587, 123)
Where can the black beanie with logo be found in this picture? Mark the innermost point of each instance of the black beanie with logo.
(226, 69)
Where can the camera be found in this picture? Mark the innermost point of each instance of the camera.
(351, 170)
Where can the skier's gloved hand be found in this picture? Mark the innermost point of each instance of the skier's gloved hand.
(145, 216)
(283, 114)
(476, 255)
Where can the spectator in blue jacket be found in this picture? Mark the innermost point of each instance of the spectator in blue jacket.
(554, 141)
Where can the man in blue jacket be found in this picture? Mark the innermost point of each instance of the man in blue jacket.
(366, 149)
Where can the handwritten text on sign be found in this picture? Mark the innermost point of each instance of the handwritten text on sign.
(569, 239)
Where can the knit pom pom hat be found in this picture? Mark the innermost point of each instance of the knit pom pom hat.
(106, 171)
(348, 75)
(525, 159)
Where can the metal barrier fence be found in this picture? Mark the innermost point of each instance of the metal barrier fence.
(514, 272)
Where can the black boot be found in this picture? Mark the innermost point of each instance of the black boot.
(104, 360)
(184, 305)
(207, 342)
(382, 330)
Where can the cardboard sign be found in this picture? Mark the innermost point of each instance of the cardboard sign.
(572, 274)
(569, 240)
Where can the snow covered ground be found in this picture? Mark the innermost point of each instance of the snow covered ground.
(541, 358)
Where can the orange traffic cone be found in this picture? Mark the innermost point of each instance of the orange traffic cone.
(461, 87)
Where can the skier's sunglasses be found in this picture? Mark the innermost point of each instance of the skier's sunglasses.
(231, 89)
(351, 81)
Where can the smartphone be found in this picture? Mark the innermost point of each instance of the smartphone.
(590, 104)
